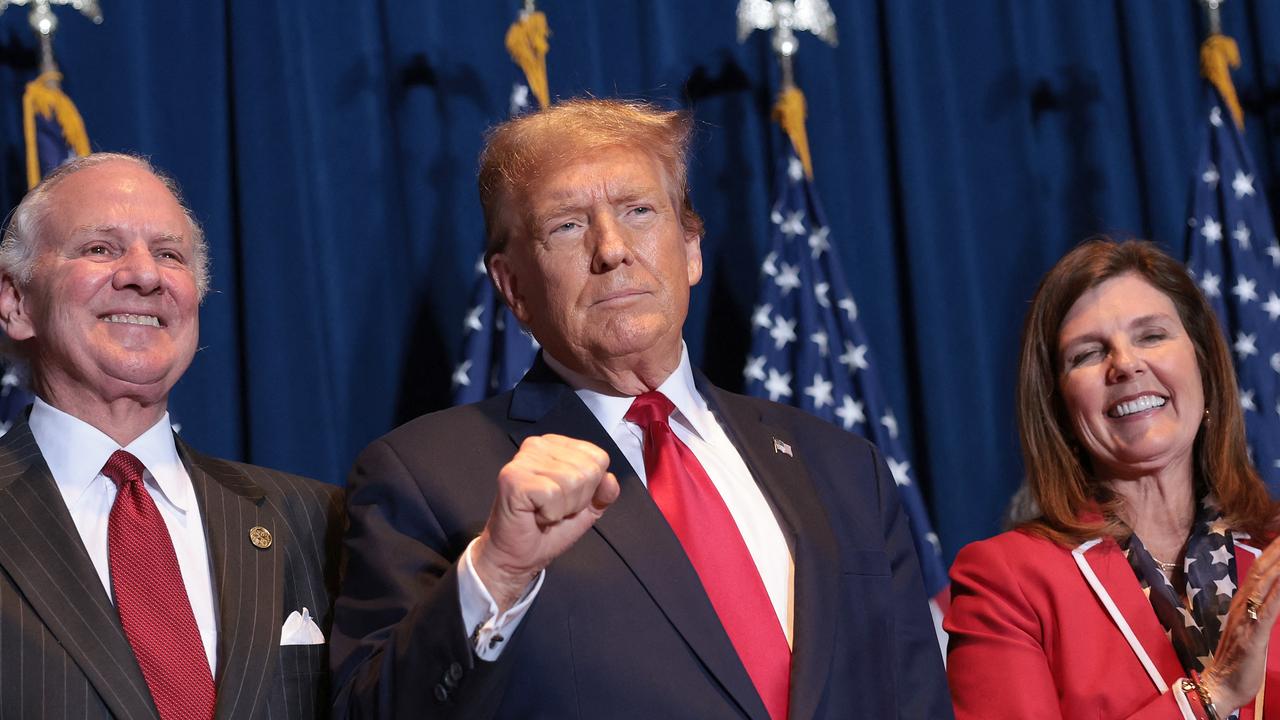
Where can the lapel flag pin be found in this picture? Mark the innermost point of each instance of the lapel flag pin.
(781, 447)
(260, 537)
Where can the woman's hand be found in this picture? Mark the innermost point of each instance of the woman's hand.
(1235, 675)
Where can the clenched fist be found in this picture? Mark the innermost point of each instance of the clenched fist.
(551, 492)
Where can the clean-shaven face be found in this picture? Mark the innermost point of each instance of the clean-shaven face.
(608, 268)
(1130, 379)
(112, 308)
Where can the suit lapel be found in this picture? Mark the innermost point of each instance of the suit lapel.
(1109, 575)
(248, 581)
(786, 483)
(636, 530)
(41, 550)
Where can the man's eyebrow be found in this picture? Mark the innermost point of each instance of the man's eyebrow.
(561, 209)
(638, 194)
(570, 205)
(115, 230)
(96, 230)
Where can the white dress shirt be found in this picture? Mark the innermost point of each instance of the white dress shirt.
(76, 452)
(697, 426)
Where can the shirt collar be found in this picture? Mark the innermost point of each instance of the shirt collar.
(679, 387)
(76, 451)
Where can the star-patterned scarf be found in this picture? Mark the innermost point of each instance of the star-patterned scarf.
(1210, 570)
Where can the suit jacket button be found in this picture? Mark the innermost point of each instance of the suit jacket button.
(442, 694)
(455, 671)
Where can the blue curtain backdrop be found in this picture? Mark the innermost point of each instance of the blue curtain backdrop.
(329, 147)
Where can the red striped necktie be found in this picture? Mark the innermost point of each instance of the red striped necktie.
(702, 522)
(152, 599)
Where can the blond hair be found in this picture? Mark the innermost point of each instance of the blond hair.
(520, 151)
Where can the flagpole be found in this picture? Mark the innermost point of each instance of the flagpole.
(805, 324)
(1218, 55)
(785, 18)
(496, 350)
(44, 22)
(1232, 250)
(47, 112)
(1213, 11)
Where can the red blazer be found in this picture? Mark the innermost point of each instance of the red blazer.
(1043, 631)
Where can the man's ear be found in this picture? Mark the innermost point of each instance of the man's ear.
(504, 278)
(693, 256)
(15, 320)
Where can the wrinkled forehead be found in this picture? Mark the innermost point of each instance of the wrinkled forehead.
(612, 168)
(116, 198)
(563, 172)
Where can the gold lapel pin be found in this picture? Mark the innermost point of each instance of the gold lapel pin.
(260, 537)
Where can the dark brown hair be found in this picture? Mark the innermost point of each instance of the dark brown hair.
(1057, 474)
(518, 152)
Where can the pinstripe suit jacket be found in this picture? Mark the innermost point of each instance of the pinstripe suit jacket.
(63, 653)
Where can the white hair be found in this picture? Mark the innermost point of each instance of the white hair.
(20, 248)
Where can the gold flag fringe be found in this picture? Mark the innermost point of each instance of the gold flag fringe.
(44, 96)
(527, 43)
(1218, 54)
(789, 111)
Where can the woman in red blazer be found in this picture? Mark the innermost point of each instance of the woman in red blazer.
(1141, 590)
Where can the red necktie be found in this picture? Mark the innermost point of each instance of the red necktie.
(152, 599)
(696, 512)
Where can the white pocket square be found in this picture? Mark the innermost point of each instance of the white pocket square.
(300, 629)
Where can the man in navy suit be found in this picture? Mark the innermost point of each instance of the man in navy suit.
(616, 537)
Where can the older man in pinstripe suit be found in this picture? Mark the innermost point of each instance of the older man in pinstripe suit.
(139, 578)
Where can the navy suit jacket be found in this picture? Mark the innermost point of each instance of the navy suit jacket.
(621, 627)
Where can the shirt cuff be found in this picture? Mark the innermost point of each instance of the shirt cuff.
(489, 630)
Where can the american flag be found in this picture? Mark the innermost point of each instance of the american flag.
(809, 350)
(54, 134)
(14, 396)
(1235, 258)
(497, 350)
(52, 125)
(51, 148)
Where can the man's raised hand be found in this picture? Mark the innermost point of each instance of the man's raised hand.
(549, 494)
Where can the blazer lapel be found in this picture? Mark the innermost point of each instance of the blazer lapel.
(248, 581)
(786, 483)
(636, 530)
(1109, 575)
(41, 550)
